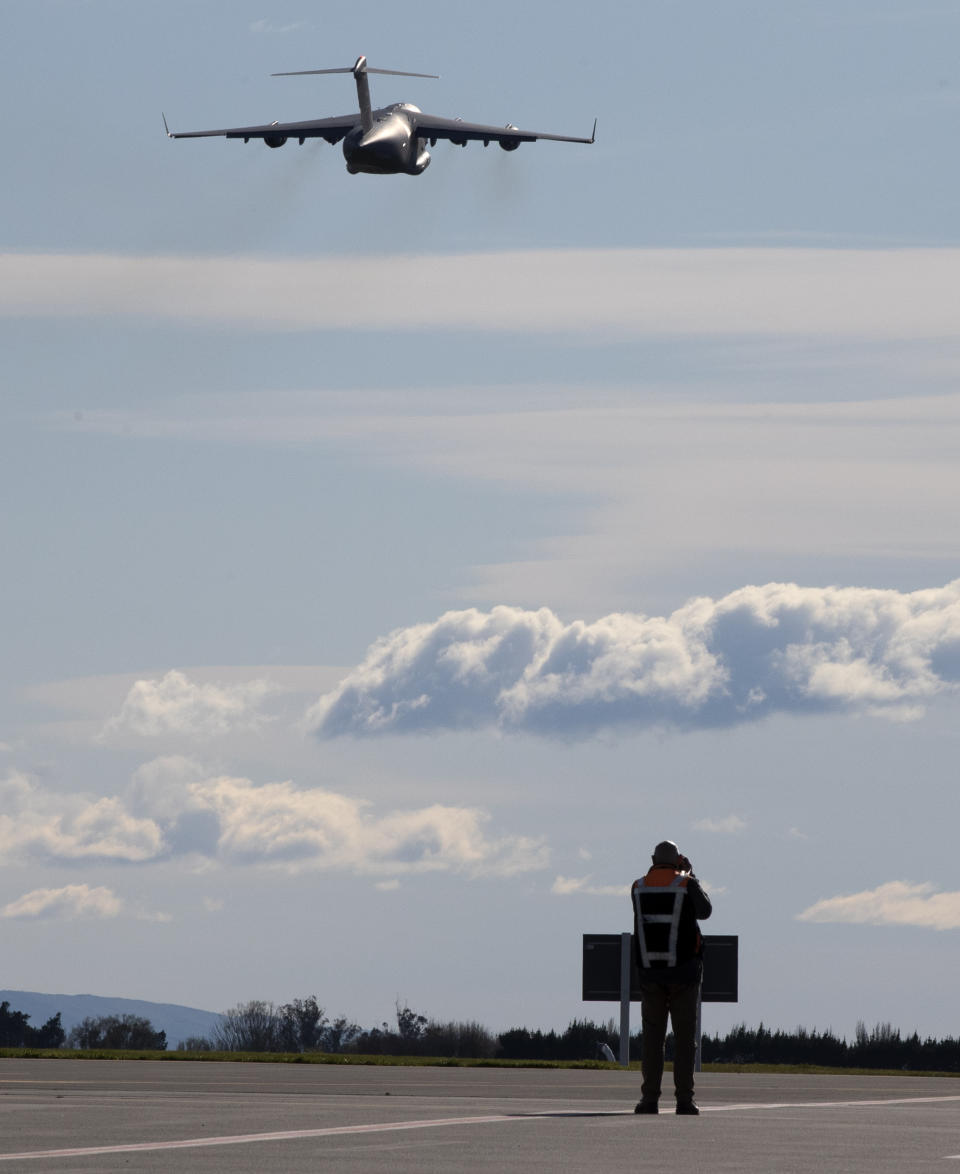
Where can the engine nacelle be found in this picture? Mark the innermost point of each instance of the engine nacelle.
(510, 144)
(274, 140)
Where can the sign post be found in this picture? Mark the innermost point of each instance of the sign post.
(611, 974)
(626, 958)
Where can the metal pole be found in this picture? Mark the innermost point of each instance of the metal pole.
(625, 942)
(697, 1063)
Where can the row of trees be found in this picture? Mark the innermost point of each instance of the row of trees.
(117, 1032)
(303, 1026)
(879, 1047)
(105, 1031)
(16, 1032)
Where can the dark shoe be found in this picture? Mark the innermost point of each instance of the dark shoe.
(688, 1109)
(647, 1107)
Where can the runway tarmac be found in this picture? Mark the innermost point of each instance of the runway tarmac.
(93, 1115)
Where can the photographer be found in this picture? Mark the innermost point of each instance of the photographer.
(667, 903)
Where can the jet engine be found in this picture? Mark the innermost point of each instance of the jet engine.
(274, 140)
(510, 144)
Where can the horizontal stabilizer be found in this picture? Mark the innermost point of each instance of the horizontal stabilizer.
(360, 67)
(301, 72)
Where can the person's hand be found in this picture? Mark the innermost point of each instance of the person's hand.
(685, 864)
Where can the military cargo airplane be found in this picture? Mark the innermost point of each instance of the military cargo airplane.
(389, 141)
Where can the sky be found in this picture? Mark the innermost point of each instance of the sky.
(390, 562)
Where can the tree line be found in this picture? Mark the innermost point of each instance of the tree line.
(881, 1046)
(302, 1025)
(118, 1032)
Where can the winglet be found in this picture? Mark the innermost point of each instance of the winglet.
(165, 127)
(593, 135)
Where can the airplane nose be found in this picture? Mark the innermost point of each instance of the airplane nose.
(377, 136)
(381, 149)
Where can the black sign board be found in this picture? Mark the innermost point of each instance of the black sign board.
(601, 968)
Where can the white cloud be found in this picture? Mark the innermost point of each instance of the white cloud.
(895, 903)
(278, 824)
(712, 663)
(38, 824)
(173, 704)
(173, 808)
(890, 293)
(161, 788)
(67, 903)
(566, 886)
(727, 825)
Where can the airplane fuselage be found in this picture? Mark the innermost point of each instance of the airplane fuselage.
(390, 146)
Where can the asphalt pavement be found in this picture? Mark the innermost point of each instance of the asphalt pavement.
(93, 1115)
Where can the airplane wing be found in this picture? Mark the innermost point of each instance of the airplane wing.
(331, 129)
(428, 126)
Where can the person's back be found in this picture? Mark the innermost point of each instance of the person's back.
(667, 902)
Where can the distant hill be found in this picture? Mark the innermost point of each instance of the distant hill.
(178, 1022)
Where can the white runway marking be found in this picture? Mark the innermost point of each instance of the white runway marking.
(247, 1138)
(394, 1126)
(827, 1104)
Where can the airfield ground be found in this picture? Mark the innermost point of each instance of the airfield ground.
(62, 1115)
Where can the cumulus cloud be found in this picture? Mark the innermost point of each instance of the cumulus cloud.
(727, 825)
(173, 704)
(173, 808)
(895, 903)
(67, 903)
(566, 886)
(38, 824)
(278, 824)
(778, 648)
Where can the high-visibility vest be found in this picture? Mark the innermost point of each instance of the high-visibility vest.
(658, 904)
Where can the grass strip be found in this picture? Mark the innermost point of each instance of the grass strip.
(432, 1062)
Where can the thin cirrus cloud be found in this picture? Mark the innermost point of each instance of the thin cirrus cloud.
(725, 825)
(174, 808)
(568, 886)
(174, 704)
(66, 903)
(894, 903)
(778, 648)
(268, 26)
(889, 293)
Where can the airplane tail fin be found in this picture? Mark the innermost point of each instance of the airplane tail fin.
(359, 69)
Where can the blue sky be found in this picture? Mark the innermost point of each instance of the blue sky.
(390, 562)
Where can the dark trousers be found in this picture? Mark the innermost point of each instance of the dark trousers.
(679, 1001)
